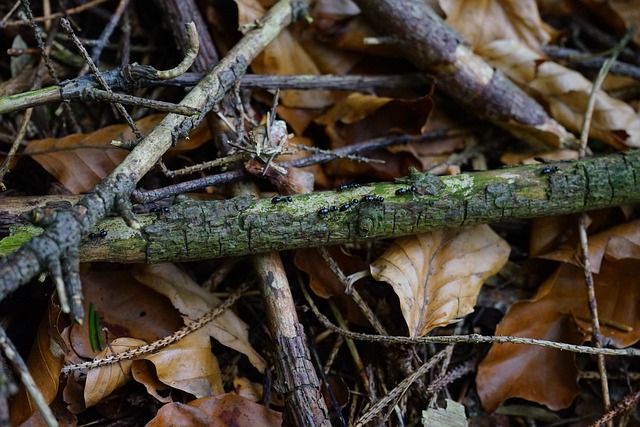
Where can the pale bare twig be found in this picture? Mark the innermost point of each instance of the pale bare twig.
(53, 16)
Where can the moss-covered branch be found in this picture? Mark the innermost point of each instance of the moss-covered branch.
(194, 230)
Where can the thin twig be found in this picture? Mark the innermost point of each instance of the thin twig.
(98, 75)
(625, 404)
(106, 33)
(401, 387)
(25, 376)
(37, 81)
(222, 178)
(300, 82)
(53, 16)
(351, 291)
(473, 339)
(582, 228)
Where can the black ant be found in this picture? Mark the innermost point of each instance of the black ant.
(344, 207)
(159, 211)
(403, 191)
(548, 170)
(279, 199)
(324, 211)
(343, 187)
(99, 235)
(369, 198)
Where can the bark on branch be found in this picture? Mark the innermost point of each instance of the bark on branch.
(56, 250)
(435, 47)
(195, 230)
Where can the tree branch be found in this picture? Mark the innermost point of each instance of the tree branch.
(194, 230)
(56, 249)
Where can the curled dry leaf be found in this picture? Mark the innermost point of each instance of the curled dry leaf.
(45, 364)
(284, 56)
(566, 92)
(559, 312)
(614, 244)
(101, 382)
(361, 117)
(193, 301)
(483, 21)
(189, 365)
(437, 276)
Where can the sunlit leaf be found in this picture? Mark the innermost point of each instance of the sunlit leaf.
(437, 276)
(193, 301)
(189, 365)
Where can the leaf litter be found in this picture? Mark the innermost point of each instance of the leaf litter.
(435, 279)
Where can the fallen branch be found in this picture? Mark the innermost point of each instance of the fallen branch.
(56, 250)
(435, 47)
(196, 230)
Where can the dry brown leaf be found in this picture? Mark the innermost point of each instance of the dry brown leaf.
(437, 276)
(619, 14)
(101, 382)
(324, 282)
(144, 372)
(549, 376)
(361, 117)
(614, 244)
(483, 21)
(284, 56)
(189, 365)
(125, 308)
(566, 92)
(128, 309)
(45, 363)
(80, 161)
(193, 301)
(224, 410)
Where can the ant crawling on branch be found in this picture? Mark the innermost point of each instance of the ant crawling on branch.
(99, 235)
